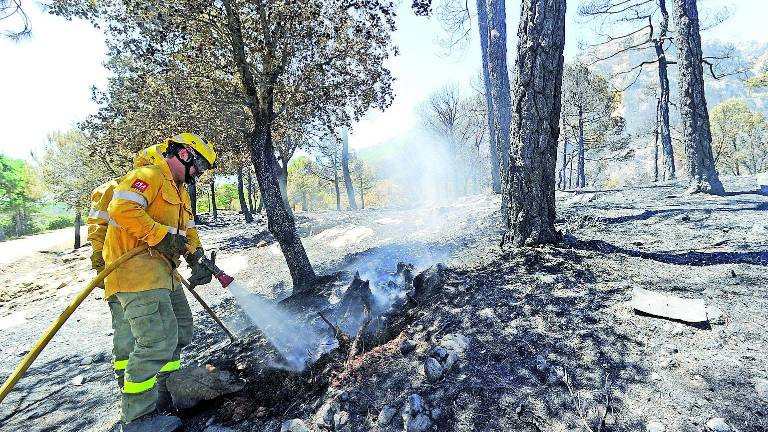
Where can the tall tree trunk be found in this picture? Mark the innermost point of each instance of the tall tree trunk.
(304, 200)
(282, 177)
(535, 123)
(564, 163)
(697, 135)
(482, 25)
(656, 143)
(78, 223)
(250, 191)
(581, 178)
(336, 187)
(260, 102)
(345, 170)
(241, 195)
(280, 221)
(362, 193)
(570, 173)
(214, 210)
(192, 190)
(666, 135)
(260, 208)
(499, 78)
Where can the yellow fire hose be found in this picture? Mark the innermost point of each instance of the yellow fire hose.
(43, 342)
(32, 355)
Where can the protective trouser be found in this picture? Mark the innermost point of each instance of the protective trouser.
(161, 325)
(122, 339)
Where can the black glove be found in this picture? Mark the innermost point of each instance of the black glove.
(172, 246)
(200, 273)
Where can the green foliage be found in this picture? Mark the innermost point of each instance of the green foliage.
(69, 171)
(739, 137)
(226, 196)
(20, 194)
(60, 222)
(760, 81)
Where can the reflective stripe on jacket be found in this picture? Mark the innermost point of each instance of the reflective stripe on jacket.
(146, 205)
(98, 217)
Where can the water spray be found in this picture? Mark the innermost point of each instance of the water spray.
(295, 342)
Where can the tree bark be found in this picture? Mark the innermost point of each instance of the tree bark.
(250, 191)
(192, 190)
(214, 210)
(362, 194)
(345, 170)
(656, 143)
(241, 195)
(697, 136)
(535, 123)
(336, 184)
(280, 221)
(581, 178)
(499, 79)
(666, 135)
(564, 163)
(260, 104)
(482, 24)
(78, 223)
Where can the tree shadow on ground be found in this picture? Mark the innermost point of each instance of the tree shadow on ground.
(648, 214)
(240, 242)
(692, 258)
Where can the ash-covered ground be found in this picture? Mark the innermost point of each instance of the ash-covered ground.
(533, 339)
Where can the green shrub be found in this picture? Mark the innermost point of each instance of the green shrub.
(59, 222)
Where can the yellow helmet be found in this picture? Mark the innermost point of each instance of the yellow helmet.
(203, 148)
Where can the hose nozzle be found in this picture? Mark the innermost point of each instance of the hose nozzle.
(210, 264)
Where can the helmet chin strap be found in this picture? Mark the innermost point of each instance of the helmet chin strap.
(189, 179)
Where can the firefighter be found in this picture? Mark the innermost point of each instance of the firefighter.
(98, 220)
(150, 205)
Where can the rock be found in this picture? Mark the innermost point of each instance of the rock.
(340, 419)
(86, 361)
(407, 346)
(432, 369)
(386, 415)
(655, 426)
(262, 243)
(715, 315)
(189, 386)
(655, 376)
(541, 363)
(217, 428)
(718, 424)
(487, 314)
(438, 353)
(761, 387)
(455, 342)
(449, 362)
(670, 348)
(324, 416)
(78, 380)
(420, 423)
(413, 405)
(437, 414)
(295, 425)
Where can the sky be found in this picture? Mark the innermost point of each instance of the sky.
(46, 80)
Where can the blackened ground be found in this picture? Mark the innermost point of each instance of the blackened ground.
(553, 342)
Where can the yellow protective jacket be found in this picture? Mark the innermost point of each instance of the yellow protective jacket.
(98, 217)
(145, 205)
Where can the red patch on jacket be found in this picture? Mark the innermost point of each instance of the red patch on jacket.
(141, 185)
